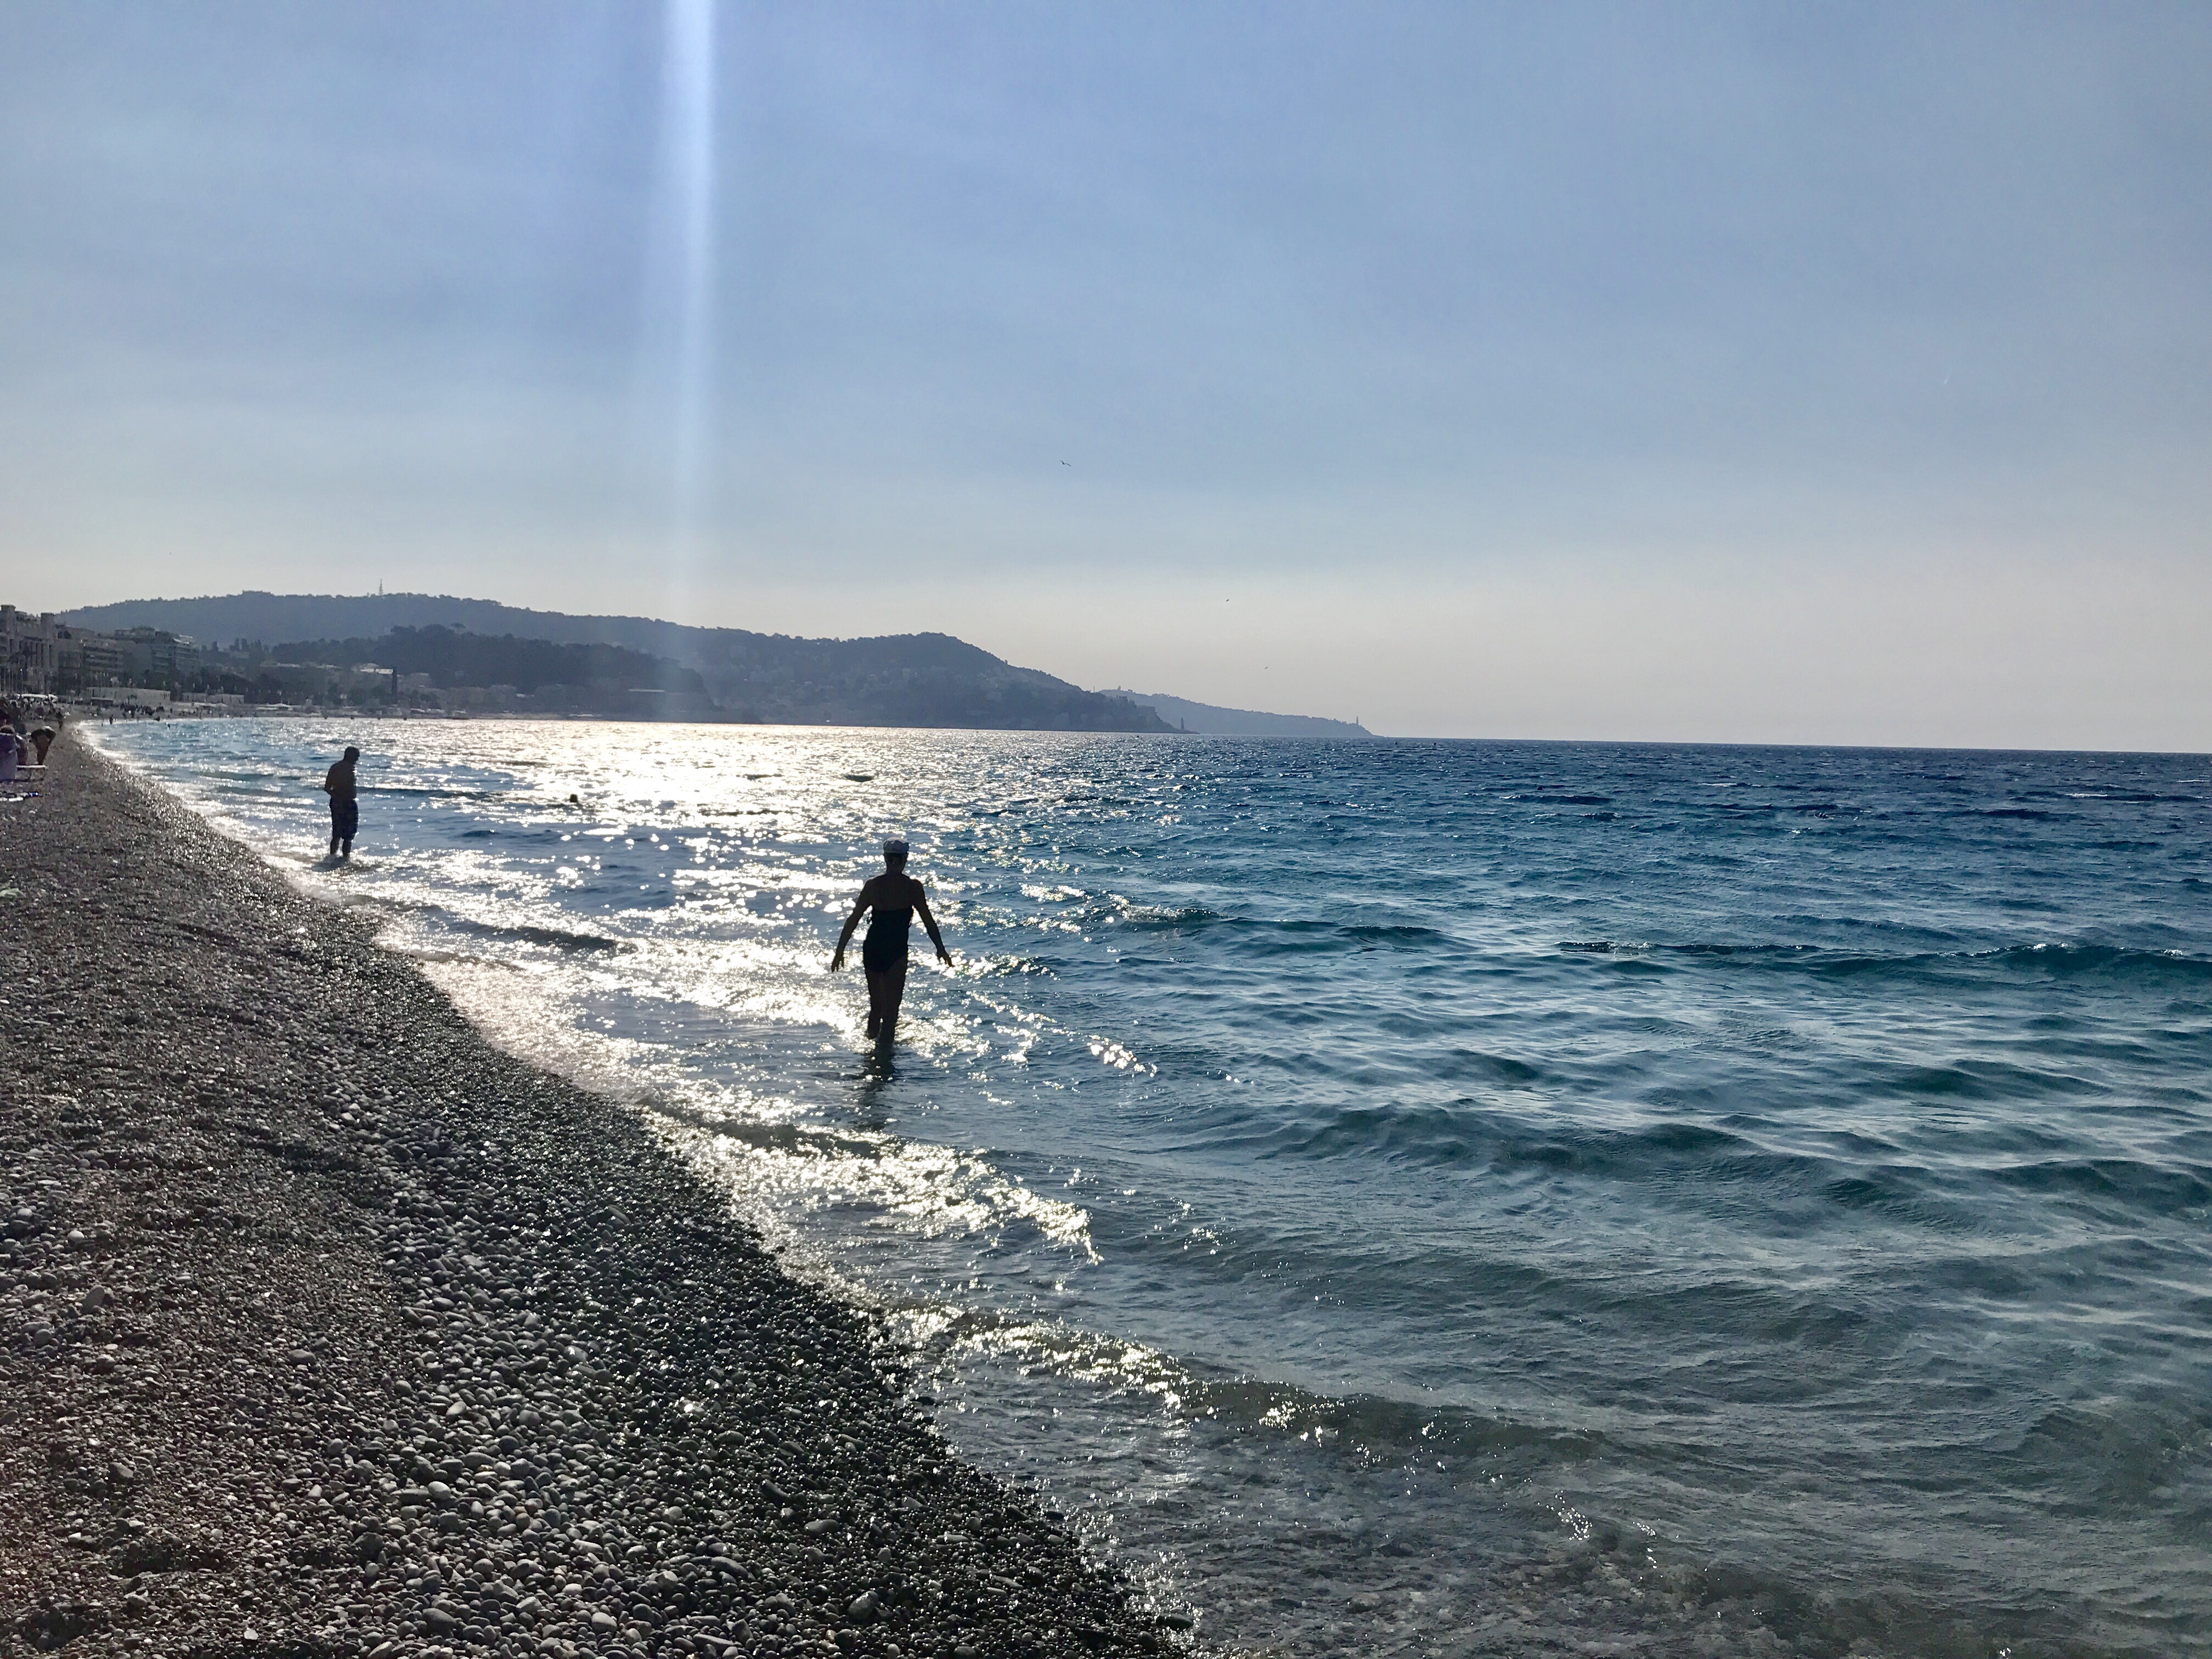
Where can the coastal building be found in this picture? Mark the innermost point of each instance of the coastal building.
(42, 655)
(29, 650)
(85, 657)
(153, 656)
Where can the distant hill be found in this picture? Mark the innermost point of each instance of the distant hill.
(275, 617)
(907, 679)
(453, 656)
(1210, 721)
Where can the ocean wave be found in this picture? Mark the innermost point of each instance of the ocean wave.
(561, 939)
(1129, 913)
(2158, 1190)
(2116, 961)
(1264, 936)
(446, 792)
(2109, 1457)
(1361, 1426)
(2055, 960)
(1472, 1131)
(1990, 1080)
(2133, 798)
(1372, 1426)
(997, 966)
(1470, 1064)
(1808, 1184)
(421, 950)
(1901, 1193)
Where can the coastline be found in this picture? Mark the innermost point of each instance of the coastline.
(333, 1329)
(89, 713)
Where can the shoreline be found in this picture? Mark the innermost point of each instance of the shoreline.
(101, 714)
(335, 1329)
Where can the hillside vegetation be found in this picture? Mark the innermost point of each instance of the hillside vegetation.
(731, 673)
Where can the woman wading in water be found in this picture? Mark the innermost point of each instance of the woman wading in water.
(894, 896)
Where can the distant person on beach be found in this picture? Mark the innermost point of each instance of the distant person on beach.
(894, 896)
(42, 739)
(345, 810)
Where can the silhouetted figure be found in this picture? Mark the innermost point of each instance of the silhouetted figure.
(345, 810)
(42, 740)
(894, 896)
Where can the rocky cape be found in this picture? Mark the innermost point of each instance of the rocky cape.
(330, 1329)
(1212, 721)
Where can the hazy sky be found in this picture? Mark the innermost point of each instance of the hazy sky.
(1775, 371)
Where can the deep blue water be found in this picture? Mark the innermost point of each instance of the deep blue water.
(1424, 1198)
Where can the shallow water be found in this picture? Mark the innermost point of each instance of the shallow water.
(1421, 1198)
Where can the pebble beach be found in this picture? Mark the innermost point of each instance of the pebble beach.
(331, 1329)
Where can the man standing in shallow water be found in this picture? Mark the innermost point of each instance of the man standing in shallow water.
(894, 896)
(345, 810)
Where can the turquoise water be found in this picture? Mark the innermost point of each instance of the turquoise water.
(1421, 1198)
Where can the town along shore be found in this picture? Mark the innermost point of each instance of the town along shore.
(331, 1329)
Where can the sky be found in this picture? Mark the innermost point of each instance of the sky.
(1832, 374)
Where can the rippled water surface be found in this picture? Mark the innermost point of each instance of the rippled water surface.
(1423, 1199)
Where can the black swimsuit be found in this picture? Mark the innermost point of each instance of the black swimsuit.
(884, 951)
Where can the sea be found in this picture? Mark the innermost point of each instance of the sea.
(1415, 1198)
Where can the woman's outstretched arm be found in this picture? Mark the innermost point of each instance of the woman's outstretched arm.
(921, 907)
(860, 906)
